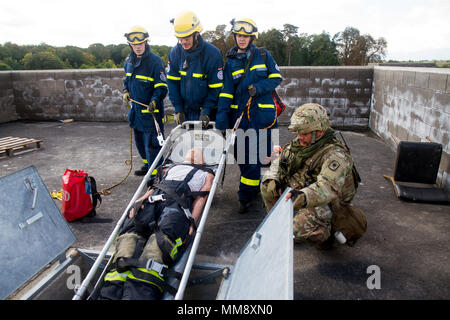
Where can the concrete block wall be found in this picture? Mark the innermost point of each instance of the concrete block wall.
(96, 95)
(86, 95)
(7, 106)
(412, 104)
(344, 91)
(408, 103)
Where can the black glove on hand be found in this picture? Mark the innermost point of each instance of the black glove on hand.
(204, 118)
(252, 90)
(298, 199)
(180, 117)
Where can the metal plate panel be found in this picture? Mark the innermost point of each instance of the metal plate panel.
(33, 232)
(264, 268)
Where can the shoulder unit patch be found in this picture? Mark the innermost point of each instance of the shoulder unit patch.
(333, 165)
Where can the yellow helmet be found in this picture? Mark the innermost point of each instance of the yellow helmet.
(244, 26)
(136, 35)
(185, 24)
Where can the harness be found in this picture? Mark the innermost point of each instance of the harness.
(151, 271)
(180, 191)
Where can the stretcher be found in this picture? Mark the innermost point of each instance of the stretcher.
(181, 139)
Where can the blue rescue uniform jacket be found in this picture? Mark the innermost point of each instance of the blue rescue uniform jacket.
(145, 79)
(195, 78)
(233, 98)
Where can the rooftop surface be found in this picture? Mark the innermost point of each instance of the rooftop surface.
(409, 242)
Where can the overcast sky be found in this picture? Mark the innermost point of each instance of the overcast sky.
(414, 29)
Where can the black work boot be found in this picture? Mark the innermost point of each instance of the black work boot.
(244, 205)
(142, 171)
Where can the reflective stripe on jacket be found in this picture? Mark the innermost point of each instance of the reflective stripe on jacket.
(145, 79)
(234, 95)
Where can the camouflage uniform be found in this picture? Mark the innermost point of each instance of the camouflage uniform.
(323, 171)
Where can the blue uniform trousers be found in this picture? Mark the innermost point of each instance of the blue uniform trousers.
(148, 147)
(251, 166)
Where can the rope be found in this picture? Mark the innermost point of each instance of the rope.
(158, 130)
(107, 191)
(247, 106)
(57, 194)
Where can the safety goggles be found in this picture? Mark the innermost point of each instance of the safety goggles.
(243, 25)
(138, 36)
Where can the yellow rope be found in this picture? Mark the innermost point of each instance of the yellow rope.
(107, 191)
(57, 194)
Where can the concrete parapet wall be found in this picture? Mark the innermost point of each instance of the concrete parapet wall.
(408, 103)
(96, 95)
(7, 106)
(412, 104)
(344, 91)
(88, 95)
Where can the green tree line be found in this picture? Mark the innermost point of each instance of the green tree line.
(287, 46)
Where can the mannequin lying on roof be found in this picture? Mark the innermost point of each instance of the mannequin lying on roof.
(158, 229)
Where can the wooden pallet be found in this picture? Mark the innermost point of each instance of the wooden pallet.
(10, 144)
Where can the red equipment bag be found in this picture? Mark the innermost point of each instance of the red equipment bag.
(278, 103)
(80, 195)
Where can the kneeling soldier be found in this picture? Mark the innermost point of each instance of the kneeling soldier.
(320, 170)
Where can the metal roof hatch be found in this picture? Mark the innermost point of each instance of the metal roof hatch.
(33, 233)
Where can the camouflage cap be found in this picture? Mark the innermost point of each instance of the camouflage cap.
(308, 118)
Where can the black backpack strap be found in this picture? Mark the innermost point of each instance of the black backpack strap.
(262, 52)
(181, 200)
(246, 67)
(356, 177)
(201, 167)
(202, 60)
(275, 95)
(95, 195)
(172, 194)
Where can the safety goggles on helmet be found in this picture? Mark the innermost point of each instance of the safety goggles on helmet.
(136, 37)
(245, 26)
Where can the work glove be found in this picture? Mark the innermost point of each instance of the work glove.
(252, 90)
(204, 118)
(298, 198)
(180, 117)
(126, 96)
(152, 106)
